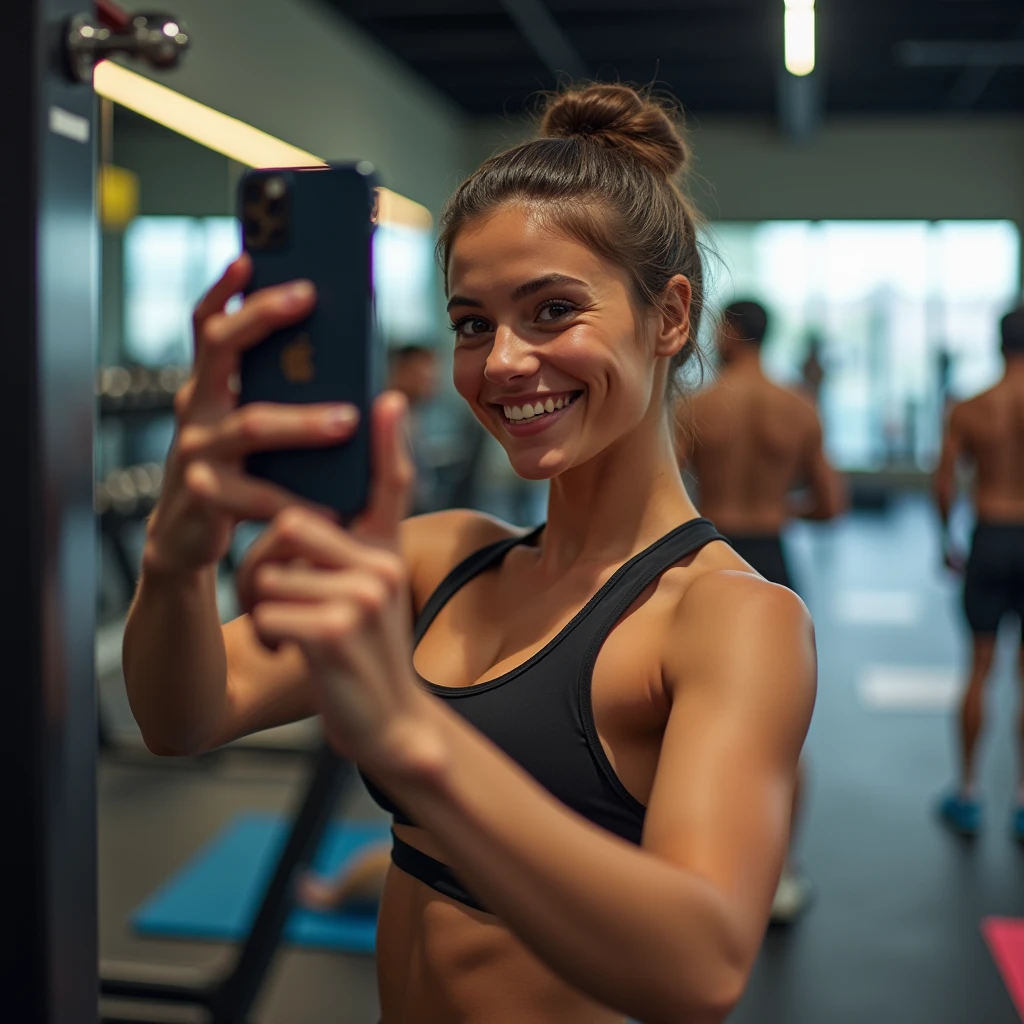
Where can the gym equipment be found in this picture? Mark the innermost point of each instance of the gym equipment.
(228, 999)
(214, 894)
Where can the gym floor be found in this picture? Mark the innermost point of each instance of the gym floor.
(894, 934)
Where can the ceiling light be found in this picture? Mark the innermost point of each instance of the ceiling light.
(799, 36)
(229, 136)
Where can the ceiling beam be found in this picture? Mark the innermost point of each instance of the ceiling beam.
(546, 37)
(996, 54)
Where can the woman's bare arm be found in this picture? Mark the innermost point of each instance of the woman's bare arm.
(195, 685)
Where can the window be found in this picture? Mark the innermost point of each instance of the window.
(170, 262)
(907, 313)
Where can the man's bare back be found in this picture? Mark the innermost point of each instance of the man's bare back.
(750, 442)
(989, 431)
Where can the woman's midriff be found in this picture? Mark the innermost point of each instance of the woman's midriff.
(441, 962)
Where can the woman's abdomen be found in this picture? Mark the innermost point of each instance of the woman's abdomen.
(440, 962)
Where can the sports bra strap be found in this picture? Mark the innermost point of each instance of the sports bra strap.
(479, 561)
(633, 578)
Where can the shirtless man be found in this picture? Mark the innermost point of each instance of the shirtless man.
(988, 432)
(749, 442)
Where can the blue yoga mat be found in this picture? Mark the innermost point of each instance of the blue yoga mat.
(216, 894)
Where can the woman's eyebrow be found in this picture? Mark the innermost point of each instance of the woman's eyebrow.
(461, 300)
(529, 288)
(542, 282)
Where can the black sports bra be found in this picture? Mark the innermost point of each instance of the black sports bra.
(540, 712)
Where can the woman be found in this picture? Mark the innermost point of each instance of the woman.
(592, 791)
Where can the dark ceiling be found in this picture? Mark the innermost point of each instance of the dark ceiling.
(717, 56)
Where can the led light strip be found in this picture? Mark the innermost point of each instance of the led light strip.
(229, 136)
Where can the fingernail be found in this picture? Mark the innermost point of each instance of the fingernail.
(341, 417)
(298, 291)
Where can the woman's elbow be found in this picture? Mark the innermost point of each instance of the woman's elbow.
(711, 1002)
(164, 739)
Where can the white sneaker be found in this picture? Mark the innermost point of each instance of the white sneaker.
(792, 897)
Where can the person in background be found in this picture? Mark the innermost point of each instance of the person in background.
(988, 432)
(812, 370)
(414, 371)
(749, 443)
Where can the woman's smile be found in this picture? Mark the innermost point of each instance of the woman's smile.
(527, 415)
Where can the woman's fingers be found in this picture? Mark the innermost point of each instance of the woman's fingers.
(262, 313)
(283, 622)
(298, 533)
(231, 282)
(297, 583)
(221, 336)
(263, 426)
(393, 471)
(241, 497)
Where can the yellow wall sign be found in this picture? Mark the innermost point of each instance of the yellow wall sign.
(118, 197)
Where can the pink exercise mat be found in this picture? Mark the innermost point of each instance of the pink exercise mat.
(1005, 938)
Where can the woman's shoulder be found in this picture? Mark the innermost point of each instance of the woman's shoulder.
(434, 543)
(727, 615)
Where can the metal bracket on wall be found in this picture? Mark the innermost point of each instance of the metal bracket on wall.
(158, 39)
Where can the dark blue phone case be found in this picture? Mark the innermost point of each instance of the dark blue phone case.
(333, 355)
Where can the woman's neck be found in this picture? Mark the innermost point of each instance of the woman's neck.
(619, 502)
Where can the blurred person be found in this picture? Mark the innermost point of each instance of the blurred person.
(591, 799)
(812, 370)
(414, 371)
(749, 443)
(987, 431)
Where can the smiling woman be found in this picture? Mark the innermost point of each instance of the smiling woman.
(587, 733)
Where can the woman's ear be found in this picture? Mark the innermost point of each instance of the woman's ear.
(674, 321)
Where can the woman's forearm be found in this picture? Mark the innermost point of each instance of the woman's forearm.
(174, 660)
(627, 928)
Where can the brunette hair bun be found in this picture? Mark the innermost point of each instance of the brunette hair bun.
(619, 118)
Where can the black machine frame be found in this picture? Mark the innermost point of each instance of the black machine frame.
(228, 999)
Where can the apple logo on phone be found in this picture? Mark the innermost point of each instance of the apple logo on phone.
(297, 361)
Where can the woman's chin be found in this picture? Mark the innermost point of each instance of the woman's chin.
(542, 467)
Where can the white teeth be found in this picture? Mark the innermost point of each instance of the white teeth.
(528, 412)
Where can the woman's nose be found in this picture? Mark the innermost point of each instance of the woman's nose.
(511, 358)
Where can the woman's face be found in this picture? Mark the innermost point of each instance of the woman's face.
(546, 346)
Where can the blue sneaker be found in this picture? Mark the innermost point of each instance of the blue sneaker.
(960, 815)
(1017, 824)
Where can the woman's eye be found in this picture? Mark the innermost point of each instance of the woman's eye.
(556, 311)
(470, 326)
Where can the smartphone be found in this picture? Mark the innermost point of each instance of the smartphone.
(315, 223)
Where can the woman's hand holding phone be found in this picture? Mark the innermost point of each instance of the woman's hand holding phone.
(206, 491)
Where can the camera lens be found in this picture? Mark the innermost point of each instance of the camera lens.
(253, 191)
(275, 206)
(253, 228)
